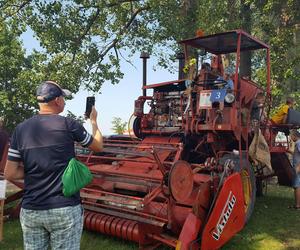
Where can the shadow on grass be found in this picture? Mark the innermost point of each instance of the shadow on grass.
(272, 225)
(93, 240)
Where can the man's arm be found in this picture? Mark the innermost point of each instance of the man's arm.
(284, 120)
(97, 143)
(297, 169)
(14, 170)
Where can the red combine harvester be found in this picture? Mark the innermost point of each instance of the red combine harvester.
(187, 181)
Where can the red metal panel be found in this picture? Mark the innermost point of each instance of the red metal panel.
(189, 231)
(198, 178)
(228, 215)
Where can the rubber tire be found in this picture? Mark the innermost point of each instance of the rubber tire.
(137, 128)
(236, 160)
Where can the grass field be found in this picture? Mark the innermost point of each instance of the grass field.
(272, 227)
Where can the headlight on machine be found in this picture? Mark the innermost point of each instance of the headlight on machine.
(229, 98)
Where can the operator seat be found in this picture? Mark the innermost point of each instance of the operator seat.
(206, 77)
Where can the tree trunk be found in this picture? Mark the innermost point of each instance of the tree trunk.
(189, 11)
(245, 60)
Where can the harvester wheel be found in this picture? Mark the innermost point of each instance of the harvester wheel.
(249, 185)
(137, 128)
(248, 179)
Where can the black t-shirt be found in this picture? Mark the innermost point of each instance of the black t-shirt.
(45, 144)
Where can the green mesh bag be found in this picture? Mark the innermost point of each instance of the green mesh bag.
(76, 176)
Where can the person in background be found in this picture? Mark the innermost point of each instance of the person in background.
(280, 117)
(4, 138)
(295, 136)
(228, 72)
(257, 108)
(40, 150)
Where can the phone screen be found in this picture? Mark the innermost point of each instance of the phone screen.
(90, 102)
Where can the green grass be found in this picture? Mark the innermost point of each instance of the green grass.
(272, 226)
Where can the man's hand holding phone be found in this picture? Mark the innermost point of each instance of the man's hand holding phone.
(90, 102)
(93, 115)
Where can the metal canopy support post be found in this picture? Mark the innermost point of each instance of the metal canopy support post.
(238, 89)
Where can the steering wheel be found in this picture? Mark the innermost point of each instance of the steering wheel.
(220, 83)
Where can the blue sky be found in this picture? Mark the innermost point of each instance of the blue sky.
(114, 100)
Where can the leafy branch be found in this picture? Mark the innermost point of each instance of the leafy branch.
(19, 7)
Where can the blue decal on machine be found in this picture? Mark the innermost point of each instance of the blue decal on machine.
(218, 95)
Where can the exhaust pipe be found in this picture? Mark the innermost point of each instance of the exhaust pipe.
(180, 57)
(144, 56)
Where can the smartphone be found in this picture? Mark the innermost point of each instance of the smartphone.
(90, 102)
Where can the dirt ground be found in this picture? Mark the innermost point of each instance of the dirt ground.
(11, 188)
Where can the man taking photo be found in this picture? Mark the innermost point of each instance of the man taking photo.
(40, 150)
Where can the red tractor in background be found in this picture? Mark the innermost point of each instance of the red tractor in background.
(186, 180)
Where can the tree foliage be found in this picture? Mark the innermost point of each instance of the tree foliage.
(83, 40)
(80, 118)
(17, 100)
(275, 22)
(119, 127)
